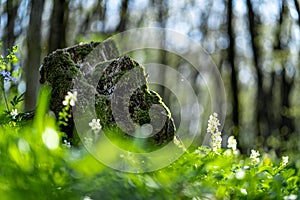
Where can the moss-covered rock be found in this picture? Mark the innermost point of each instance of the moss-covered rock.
(59, 70)
(123, 101)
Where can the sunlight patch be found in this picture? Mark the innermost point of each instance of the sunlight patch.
(50, 138)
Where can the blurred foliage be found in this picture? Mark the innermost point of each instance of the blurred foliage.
(36, 165)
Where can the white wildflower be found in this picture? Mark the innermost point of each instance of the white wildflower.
(66, 144)
(95, 125)
(216, 139)
(254, 156)
(14, 113)
(232, 143)
(284, 161)
(213, 123)
(240, 174)
(290, 197)
(244, 191)
(70, 99)
(87, 198)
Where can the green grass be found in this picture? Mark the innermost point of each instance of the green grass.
(30, 170)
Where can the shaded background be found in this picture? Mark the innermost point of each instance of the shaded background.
(255, 45)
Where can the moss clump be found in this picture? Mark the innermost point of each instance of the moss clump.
(123, 101)
(58, 70)
(125, 78)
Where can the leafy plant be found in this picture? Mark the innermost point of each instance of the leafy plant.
(8, 75)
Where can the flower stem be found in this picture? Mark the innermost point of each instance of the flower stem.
(5, 99)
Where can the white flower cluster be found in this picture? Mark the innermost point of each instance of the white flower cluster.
(232, 144)
(216, 139)
(66, 144)
(254, 156)
(14, 113)
(284, 161)
(95, 125)
(70, 99)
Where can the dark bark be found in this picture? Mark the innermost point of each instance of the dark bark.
(297, 6)
(286, 125)
(233, 81)
(97, 13)
(34, 53)
(262, 119)
(161, 19)
(9, 36)
(123, 16)
(58, 24)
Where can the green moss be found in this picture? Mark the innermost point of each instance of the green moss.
(58, 70)
(79, 52)
(141, 101)
(61, 67)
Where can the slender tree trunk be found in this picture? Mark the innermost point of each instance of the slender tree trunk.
(123, 16)
(162, 20)
(297, 6)
(58, 23)
(286, 125)
(9, 36)
(262, 120)
(96, 13)
(34, 53)
(233, 81)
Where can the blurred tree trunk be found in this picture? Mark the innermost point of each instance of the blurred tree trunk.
(9, 36)
(297, 6)
(286, 125)
(123, 16)
(233, 81)
(162, 6)
(262, 120)
(97, 13)
(58, 25)
(34, 53)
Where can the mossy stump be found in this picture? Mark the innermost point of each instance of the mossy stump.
(123, 101)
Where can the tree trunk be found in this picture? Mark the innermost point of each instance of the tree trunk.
(9, 37)
(96, 13)
(34, 54)
(297, 9)
(162, 19)
(123, 16)
(58, 24)
(233, 81)
(286, 125)
(261, 98)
